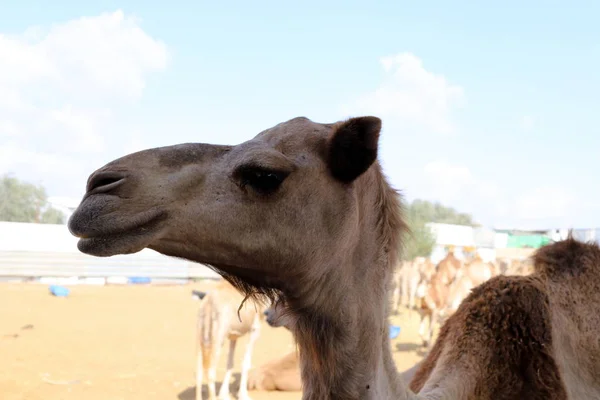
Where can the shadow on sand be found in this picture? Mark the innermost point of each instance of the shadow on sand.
(410, 347)
(190, 393)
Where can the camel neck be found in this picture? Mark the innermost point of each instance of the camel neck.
(345, 351)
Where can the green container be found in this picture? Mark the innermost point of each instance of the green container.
(530, 241)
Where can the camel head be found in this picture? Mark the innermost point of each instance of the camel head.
(259, 212)
(277, 315)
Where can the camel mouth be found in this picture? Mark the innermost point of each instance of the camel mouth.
(107, 234)
(126, 242)
(272, 322)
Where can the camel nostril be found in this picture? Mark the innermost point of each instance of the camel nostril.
(105, 181)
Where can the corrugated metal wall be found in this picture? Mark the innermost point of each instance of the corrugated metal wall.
(40, 264)
(34, 250)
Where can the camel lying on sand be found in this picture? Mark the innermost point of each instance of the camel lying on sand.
(303, 212)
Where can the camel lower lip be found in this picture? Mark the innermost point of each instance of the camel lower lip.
(88, 228)
(104, 246)
(126, 242)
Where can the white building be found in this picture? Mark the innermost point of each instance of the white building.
(462, 238)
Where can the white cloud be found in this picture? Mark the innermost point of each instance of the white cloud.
(62, 88)
(40, 167)
(412, 96)
(450, 182)
(528, 122)
(455, 185)
(544, 203)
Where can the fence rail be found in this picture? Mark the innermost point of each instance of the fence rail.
(53, 264)
(41, 250)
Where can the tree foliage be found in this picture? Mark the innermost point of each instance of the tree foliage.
(419, 242)
(24, 202)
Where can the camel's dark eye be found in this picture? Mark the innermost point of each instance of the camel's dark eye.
(261, 180)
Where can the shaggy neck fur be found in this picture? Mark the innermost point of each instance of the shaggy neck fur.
(341, 323)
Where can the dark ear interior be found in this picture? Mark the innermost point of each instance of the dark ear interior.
(353, 147)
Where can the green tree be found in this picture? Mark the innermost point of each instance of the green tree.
(419, 242)
(24, 202)
(436, 212)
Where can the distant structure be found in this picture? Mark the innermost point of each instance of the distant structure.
(498, 243)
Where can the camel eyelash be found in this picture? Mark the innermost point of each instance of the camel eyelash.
(262, 180)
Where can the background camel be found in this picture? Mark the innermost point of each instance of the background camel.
(405, 282)
(282, 373)
(520, 267)
(473, 273)
(303, 212)
(221, 318)
(434, 292)
(443, 289)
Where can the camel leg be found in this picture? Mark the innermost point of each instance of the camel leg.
(433, 319)
(422, 332)
(412, 298)
(224, 390)
(422, 316)
(396, 298)
(247, 363)
(413, 294)
(212, 370)
(199, 373)
(404, 291)
(398, 303)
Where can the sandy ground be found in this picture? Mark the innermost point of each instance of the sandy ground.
(116, 342)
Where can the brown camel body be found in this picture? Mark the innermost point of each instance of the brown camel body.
(571, 273)
(497, 345)
(303, 212)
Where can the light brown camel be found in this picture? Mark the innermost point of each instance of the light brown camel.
(282, 373)
(303, 212)
(447, 288)
(448, 267)
(434, 291)
(495, 268)
(221, 317)
(446, 298)
(472, 274)
(503, 265)
(520, 267)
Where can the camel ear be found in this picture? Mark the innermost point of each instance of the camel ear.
(352, 147)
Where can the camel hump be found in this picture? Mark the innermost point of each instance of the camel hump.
(569, 257)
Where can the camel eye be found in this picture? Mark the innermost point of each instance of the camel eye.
(261, 180)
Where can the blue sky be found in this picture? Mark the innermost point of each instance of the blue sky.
(490, 110)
